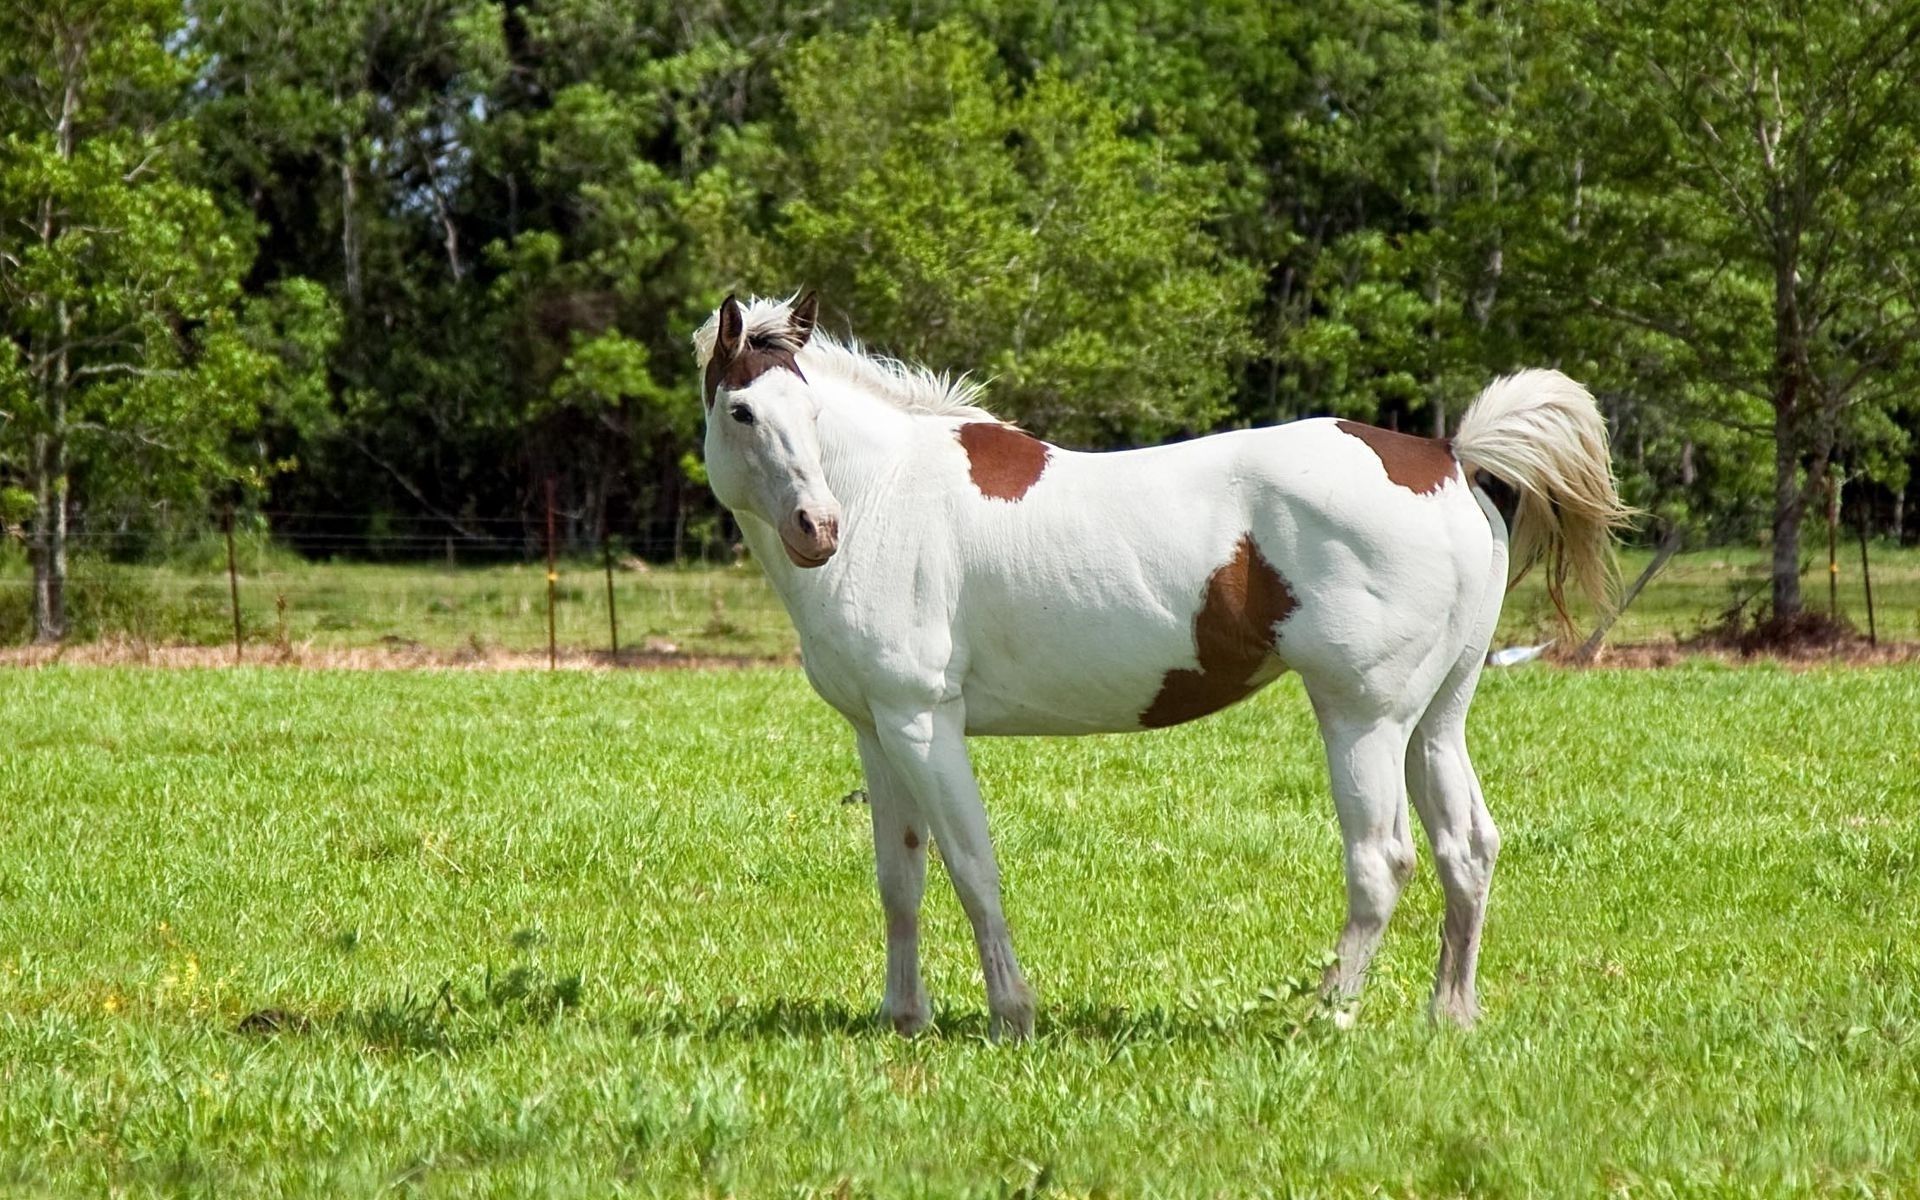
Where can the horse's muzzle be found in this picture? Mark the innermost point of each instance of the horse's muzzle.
(810, 536)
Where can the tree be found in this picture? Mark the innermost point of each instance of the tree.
(1017, 232)
(1749, 202)
(131, 354)
(495, 192)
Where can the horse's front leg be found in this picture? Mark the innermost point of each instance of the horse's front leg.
(900, 867)
(928, 752)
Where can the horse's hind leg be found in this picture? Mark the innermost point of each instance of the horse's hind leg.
(1366, 759)
(1446, 792)
(900, 868)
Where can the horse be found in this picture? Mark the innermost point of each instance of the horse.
(951, 576)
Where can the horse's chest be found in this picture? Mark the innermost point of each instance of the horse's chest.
(840, 676)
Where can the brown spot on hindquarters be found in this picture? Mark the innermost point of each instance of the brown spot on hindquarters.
(1233, 637)
(1418, 464)
(1003, 461)
(755, 359)
(913, 840)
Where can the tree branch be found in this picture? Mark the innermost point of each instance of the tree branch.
(127, 369)
(458, 526)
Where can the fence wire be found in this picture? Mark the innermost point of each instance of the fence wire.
(403, 587)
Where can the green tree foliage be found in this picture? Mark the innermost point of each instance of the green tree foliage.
(1139, 218)
(133, 361)
(1096, 297)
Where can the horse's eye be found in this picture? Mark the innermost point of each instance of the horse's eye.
(741, 413)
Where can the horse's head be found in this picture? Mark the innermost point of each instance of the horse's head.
(762, 448)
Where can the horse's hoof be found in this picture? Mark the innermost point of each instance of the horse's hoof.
(1013, 1023)
(907, 1022)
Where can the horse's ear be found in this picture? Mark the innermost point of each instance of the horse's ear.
(805, 315)
(732, 325)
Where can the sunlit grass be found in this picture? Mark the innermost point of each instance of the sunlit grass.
(593, 934)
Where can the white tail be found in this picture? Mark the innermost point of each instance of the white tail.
(1541, 434)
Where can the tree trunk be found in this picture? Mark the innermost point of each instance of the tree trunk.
(1786, 504)
(1788, 426)
(349, 236)
(48, 549)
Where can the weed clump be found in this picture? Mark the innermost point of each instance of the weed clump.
(458, 1014)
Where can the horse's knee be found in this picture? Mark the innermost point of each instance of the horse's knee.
(1464, 862)
(1400, 860)
(1388, 856)
(1486, 839)
(1377, 870)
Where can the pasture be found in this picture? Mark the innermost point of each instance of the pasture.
(325, 933)
(321, 612)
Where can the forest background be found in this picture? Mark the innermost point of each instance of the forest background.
(350, 265)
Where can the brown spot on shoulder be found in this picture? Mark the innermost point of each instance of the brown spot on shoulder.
(1418, 464)
(1233, 637)
(913, 840)
(754, 360)
(1003, 461)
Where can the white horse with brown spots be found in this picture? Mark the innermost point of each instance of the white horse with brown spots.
(950, 575)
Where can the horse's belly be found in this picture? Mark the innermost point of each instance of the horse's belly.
(991, 714)
(995, 713)
(1096, 677)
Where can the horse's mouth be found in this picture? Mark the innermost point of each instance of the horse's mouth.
(803, 560)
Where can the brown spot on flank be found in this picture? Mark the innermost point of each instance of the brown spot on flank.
(1233, 637)
(1004, 462)
(753, 361)
(913, 840)
(1418, 464)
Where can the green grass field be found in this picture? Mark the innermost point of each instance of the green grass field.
(723, 611)
(614, 933)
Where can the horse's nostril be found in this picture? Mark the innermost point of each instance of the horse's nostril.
(805, 522)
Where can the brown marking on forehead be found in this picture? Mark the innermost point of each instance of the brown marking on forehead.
(913, 840)
(1004, 461)
(1233, 637)
(1418, 464)
(753, 361)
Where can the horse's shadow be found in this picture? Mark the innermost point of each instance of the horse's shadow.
(455, 1016)
(807, 1019)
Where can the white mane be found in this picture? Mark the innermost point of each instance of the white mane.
(909, 388)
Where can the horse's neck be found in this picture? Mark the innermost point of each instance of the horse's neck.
(863, 440)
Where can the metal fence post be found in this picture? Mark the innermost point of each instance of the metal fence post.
(233, 585)
(613, 615)
(1866, 574)
(553, 582)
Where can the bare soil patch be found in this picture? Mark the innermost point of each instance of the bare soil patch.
(1809, 639)
(395, 655)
